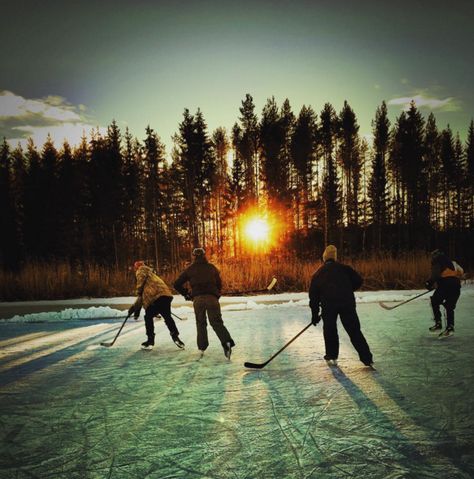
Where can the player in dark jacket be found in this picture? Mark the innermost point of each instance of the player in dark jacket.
(332, 288)
(206, 285)
(445, 276)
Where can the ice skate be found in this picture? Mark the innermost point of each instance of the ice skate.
(436, 327)
(449, 331)
(149, 343)
(227, 349)
(330, 361)
(177, 341)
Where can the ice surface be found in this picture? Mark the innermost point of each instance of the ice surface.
(72, 409)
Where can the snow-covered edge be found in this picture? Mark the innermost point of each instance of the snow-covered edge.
(184, 309)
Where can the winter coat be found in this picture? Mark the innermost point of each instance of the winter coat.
(203, 277)
(333, 286)
(150, 287)
(443, 268)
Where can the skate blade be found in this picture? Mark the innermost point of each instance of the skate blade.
(445, 336)
(147, 348)
(201, 355)
(331, 362)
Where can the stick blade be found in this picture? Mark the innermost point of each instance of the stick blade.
(384, 306)
(272, 284)
(254, 366)
(107, 345)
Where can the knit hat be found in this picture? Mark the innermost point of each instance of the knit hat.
(330, 253)
(199, 252)
(138, 264)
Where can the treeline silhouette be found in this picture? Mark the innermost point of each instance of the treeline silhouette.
(115, 198)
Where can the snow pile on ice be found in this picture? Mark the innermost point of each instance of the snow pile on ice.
(228, 303)
(69, 314)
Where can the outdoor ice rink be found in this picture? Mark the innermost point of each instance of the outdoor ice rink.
(73, 409)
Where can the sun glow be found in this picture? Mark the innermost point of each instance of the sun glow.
(257, 229)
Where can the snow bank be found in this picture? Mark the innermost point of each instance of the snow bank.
(69, 314)
(184, 309)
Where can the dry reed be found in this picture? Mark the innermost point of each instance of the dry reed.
(39, 281)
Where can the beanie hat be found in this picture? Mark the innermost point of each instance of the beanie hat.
(138, 264)
(330, 253)
(199, 252)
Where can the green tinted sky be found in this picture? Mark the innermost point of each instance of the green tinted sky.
(71, 64)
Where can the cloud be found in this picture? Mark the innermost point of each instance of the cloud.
(22, 118)
(424, 101)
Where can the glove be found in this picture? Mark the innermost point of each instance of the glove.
(429, 285)
(315, 318)
(187, 296)
(135, 311)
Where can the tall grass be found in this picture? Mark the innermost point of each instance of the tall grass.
(39, 281)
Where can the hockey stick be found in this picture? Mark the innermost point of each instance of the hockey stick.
(176, 316)
(262, 365)
(266, 290)
(404, 302)
(108, 345)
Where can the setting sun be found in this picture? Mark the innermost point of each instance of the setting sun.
(257, 229)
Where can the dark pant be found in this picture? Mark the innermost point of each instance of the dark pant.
(161, 306)
(207, 303)
(351, 324)
(447, 293)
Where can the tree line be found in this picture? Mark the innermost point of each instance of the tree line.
(115, 197)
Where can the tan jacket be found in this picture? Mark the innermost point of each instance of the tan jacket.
(150, 287)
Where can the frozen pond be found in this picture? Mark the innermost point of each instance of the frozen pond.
(71, 408)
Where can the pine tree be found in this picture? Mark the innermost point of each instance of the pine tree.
(470, 173)
(220, 193)
(85, 181)
(133, 195)
(458, 181)
(197, 164)
(349, 159)
(154, 185)
(206, 173)
(248, 146)
(303, 149)
(237, 188)
(9, 244)
(377, 190)
(433, 166)
(33, 211)
(331, 200)
(271, 143)
(18, 182)
(407, 161)
(447, 155)
(68, 193)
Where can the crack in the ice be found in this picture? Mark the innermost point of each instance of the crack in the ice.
(293, 449)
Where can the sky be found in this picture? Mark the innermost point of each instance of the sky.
(69, 66)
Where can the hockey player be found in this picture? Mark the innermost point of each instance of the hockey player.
(155, 296)
(332, 288)
(206, 284)
(445, 274)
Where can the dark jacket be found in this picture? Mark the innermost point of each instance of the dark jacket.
(442, 269)
(333, 286)
(203, 277)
